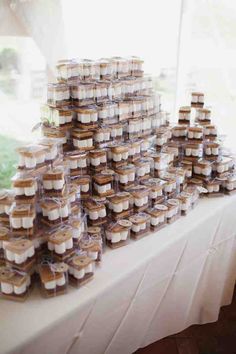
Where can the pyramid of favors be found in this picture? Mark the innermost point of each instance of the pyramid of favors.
(108, 167)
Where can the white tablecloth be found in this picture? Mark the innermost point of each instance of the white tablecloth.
(145, 291)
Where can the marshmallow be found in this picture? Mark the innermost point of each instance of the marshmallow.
(206, 171)
(10, 256)
(84, 118)
(118, 208)
(64, 211)
(115, 237)
(30, 162)
(29, 191)
(79, 274)
(197, 170)
(197, 135)
(168, 188)
(93, 215)
(123, 178)
(102, 213)
(16, 223)
(50, 285)
(117, 157)
(142, 226)
(125, 205)
(230, 186)
(89, 142)
(6, 288)
(61, 281)
(20, 289)
(51, 246)
(27, 222)
(76, 233)
(53, 214)
(161, 218)
(82, 163)
(188, 152)
(101, 189)
(154, 221)
(19, 191)
(138, 202)
(93, 255)
(58, 184)
(141, 171)
(220, 168)
(69, 243)
(76, 143)
(82, 143)
(95, 161)
(85, 188)
(135, 228)
(195, 152)
(190, 135)
(89, 268)
(21, 161)
(124, 235)
(47, 184)
(61, 248)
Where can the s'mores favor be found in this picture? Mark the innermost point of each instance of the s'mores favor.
(78, 162)
(7, 198)
(103, 184)
(140, 197)
(109, 166)
(230, 183)
(20, 253)
(4, 239)
(14, 284)
(174, 208)
(60, 242)
(53, 278)
(202, 168)
(22, 217)
(81, 269)
(92, 247)
(55, 211)
(197, 99)
(156, 189)
(118, 233)
(140, 225)
(184, 115)
(126, 176)
(54, 181)
(98, 159)
(120, 205)
(82, 139)
(31, 156)
(96, 212)
(158, 216)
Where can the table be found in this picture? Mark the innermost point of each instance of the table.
(147, 290)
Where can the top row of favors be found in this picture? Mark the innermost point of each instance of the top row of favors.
(104, 68)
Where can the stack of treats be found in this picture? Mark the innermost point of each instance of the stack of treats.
(109, 167)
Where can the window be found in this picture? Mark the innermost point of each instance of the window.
(207, 59)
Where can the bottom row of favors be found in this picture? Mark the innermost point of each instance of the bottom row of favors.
(68, 254)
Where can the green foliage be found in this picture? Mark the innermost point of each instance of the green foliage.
(9, 60)
(8, 160)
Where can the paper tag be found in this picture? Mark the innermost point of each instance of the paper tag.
(202, 189)
(59, 267)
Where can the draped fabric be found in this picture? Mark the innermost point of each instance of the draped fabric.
(41, 20)
(147, 290)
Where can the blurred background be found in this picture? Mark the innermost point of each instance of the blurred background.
(186, 44)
